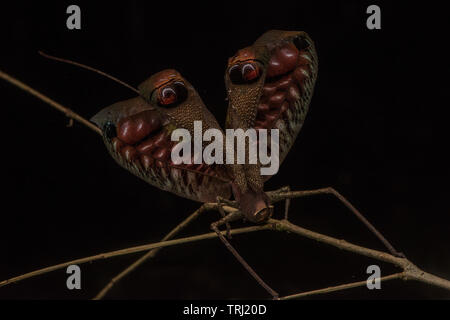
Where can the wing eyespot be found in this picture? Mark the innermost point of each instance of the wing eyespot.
(235, 74)
(243, 73)
(250, 72)
(172, 94)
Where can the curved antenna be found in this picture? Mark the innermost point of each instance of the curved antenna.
(45, 55)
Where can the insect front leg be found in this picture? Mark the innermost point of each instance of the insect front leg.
(230, 203)
(276, 195)
(220, 203)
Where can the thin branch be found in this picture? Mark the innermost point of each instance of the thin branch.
(410, 271)
(136, 249)
(340, 287)
(153, 252)
(69, 113)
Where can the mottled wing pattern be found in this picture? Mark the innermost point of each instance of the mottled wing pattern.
(291, 66)
(137, 135)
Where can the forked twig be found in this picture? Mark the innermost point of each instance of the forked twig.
(225, 220)
(153, 252)
(410, 271)
(146, 247)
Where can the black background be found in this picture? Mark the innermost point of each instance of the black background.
(376, 131)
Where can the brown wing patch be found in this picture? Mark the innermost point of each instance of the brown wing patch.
(142, 145)
(284, 102)
(287, 73)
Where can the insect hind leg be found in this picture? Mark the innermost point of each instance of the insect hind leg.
(285, 193)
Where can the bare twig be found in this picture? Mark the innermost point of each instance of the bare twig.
(410, 271)
(136, 249)
(69, 113)
(225, 220)
(153, 252)
(340, 287)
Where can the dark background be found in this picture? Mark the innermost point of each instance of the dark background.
(376, 132)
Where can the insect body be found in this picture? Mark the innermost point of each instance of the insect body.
(269, 86)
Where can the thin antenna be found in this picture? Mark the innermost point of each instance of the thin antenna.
(88, 68)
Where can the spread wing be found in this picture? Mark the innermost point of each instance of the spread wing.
(137, 133)
(270, 85)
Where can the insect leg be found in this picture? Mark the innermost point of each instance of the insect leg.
(150, 254)
(279, 195)
(220, 203)
(231, 203)
(231, 217)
